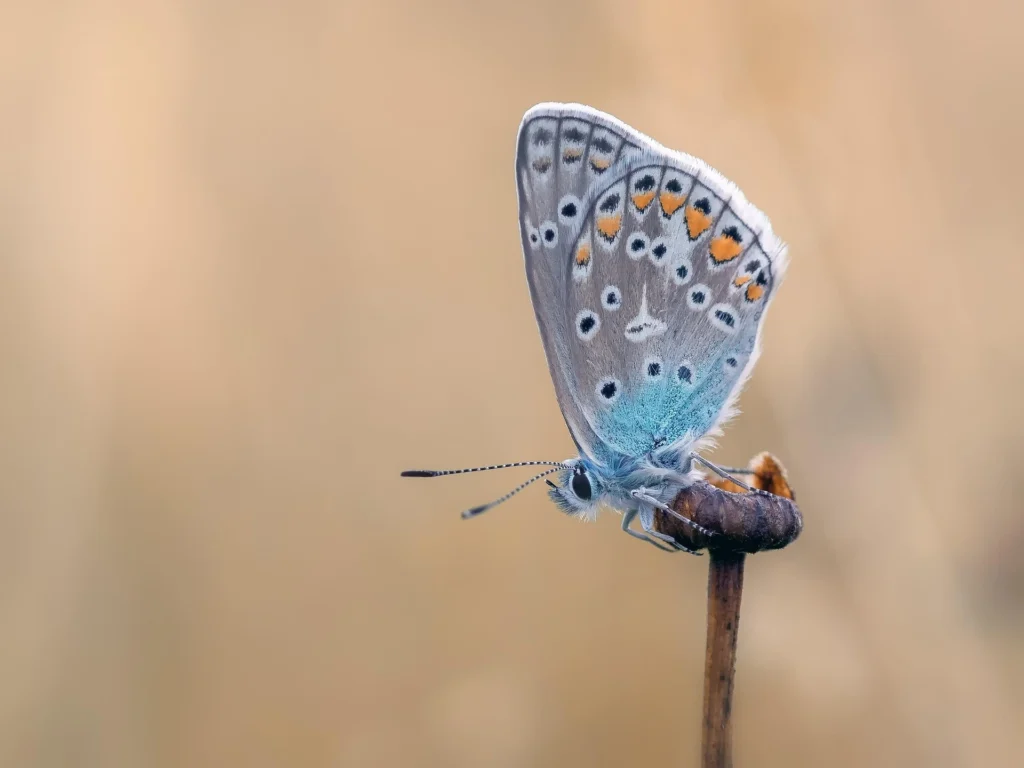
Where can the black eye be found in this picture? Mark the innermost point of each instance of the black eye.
(581, 485)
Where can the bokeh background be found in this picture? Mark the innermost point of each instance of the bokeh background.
(256, 258)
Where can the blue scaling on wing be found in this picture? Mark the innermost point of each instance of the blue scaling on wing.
(649, 273)
(693, 266)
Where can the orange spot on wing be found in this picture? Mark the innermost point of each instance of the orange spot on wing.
(642, 199)
(600, 163)
(583, 255)
(697, 223)
(724, 248)
(742, 280)
(572, 154)
(671, 203)
(754, 292)
(609, 226)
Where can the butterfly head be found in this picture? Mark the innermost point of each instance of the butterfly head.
(579, 490)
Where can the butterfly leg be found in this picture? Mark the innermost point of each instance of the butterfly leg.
(627, 518)
(723, 472)
(641, 494)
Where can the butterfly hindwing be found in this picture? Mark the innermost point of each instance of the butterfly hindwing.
(650, 297)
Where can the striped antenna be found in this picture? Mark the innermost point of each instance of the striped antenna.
(484, 507)
(441, 472)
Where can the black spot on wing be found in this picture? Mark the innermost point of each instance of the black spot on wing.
(725, 317)
(574, 134)
(733, 233)
(610, 203)
(645, 184)
(542, 137)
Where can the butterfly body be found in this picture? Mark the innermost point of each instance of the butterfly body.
(613, 484)
(650, 274)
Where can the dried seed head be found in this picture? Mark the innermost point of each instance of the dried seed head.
(742, 522)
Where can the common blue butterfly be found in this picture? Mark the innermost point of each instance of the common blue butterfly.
(650, 275)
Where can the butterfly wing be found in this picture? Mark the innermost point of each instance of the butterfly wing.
(562, 153)
(651, 295)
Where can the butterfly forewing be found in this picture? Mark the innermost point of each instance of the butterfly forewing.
(650, 294)
(562, 154)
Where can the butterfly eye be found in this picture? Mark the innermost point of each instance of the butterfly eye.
(611, 298)
(581, 486)
(587, 324)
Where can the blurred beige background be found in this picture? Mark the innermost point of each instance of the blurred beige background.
(255, 258)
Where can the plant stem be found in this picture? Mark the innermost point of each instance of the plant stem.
(725, 590)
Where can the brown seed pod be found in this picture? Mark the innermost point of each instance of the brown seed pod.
(739, 521)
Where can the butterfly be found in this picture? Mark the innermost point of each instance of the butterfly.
(650, 275)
